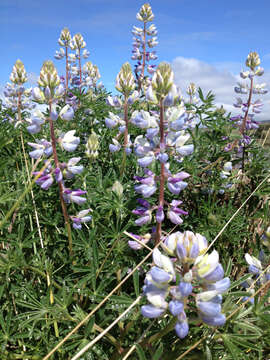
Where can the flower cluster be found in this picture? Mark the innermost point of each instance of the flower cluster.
(49, 92)
(249, 107)
(191, 278)
(141, 42)
(165, 139)
(125, 84)
(79, 75)
(17, 98)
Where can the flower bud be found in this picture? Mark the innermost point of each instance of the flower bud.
(145, 14)
(65, 37)
(125, 82)
(117, 188)
(253, 60)
(78, 42)
(162, 80)
(92, 146)
(48, 76)
(18, 75)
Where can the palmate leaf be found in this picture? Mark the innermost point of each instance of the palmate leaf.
(140, 352)
(236, 353)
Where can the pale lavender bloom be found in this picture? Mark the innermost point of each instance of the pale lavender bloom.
(160, 214)
(115, 146)
(58, 175)
(42, 147)
(80, 218)
(146, 160)
(150, 311)
(176, 307)
(185, 288)
(209, 308)
(220, 286)
(72, 168)
(74, 196)
(181, 329)
(218, 320)
(216, 275)
(45, 181)
(67, 113)
(185, 150)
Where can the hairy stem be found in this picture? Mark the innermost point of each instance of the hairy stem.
(162, 169)
(125, 137)
(244, 122)
(66, 70)
(60, 183)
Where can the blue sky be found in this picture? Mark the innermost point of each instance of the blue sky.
(206, 41)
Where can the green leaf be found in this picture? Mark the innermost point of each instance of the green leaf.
(140, 352)
(233, 349)
(158, 353)
(136, 283)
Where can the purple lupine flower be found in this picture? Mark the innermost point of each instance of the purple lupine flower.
(80, 218)
(45, 181)
(74, 196)
(42, 147)
(71, 168)
(58, 175)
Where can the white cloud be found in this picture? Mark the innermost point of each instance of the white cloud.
(218, 78)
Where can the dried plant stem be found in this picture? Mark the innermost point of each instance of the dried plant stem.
(98, 306)
(162, 170)
(266, 136)
(20, 199)
(89, 345)
(237, 211)
(31, 192)
(60, 184)
(133, 347)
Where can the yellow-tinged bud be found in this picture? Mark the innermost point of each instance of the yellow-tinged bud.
(92, 146)
(125, 82)
(78, 42)
(65, 35)
(162, 80)
(191, 90)
(48, 76)
(145, 14)
(117, 188)
(18, 74)
(253, 60)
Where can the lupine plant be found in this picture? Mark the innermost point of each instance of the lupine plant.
(50, 92)
(97, 298)
(245, 121)
(165, 137)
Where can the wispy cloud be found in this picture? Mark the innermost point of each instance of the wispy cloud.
(220, 80)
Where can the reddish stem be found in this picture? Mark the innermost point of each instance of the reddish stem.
(60, 184)
(144, 57)
(66, 70)
(243, 127)
(162, 169)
